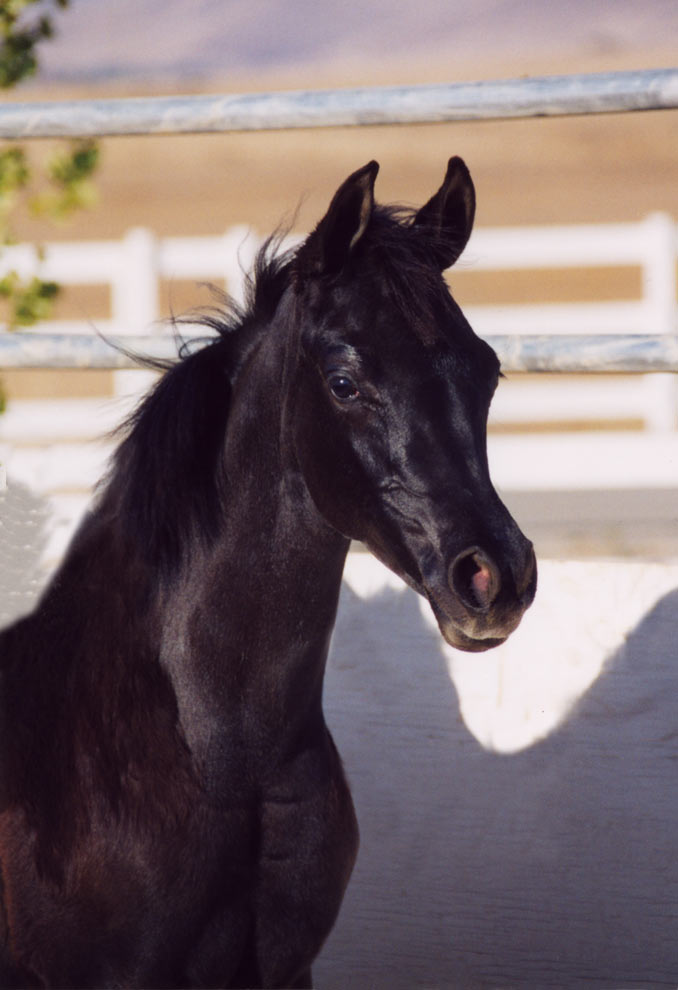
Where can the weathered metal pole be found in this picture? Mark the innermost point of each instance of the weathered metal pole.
(613, 92)
(562, 353)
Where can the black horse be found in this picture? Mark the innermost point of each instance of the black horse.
(173, 811)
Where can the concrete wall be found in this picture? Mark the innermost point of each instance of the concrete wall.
(25, 527)
(518, 809)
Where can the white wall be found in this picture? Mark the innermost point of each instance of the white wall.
(519, 808)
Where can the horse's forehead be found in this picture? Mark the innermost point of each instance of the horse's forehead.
(434, 332)
(446, 348)
(369, 307)
(413, 330)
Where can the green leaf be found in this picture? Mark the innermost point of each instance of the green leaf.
(68, 168)
(27, 302)
(68, 172)
(14, 170)
(18, 58)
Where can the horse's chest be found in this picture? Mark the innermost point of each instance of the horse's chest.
(238, 891)
(301, 850)
(299, 816)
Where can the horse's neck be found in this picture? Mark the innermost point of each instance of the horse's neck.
(252, 617)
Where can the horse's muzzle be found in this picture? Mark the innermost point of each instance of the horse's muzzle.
(484, 601)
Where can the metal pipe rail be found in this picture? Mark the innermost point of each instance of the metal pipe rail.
(613, 92)
(535, 353)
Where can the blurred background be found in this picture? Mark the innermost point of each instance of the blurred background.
(572, 170)
(577, 170)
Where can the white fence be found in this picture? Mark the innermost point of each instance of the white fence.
(133, 267)
(56, 449)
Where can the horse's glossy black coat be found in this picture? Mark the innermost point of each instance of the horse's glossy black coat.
(173, 811)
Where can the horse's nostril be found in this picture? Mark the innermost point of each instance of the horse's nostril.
(475, 579)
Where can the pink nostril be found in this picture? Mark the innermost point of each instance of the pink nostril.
(480, 582)
(475, 579)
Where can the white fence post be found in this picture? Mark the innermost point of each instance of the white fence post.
(660, 291)
(134, 299)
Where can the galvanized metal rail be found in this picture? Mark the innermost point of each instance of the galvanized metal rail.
(547, 96)
(535, 353)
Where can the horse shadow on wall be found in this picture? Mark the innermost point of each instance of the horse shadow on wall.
(553, 867)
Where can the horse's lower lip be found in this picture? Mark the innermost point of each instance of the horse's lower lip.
(458, 639)
(451, 630)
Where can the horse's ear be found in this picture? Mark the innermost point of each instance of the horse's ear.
(328, 247)
(449, 214)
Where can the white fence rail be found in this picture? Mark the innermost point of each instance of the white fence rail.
(132, 269)
(134, 266)
(650, 245)
(52, 448)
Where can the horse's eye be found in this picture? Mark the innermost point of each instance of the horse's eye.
(343, 388)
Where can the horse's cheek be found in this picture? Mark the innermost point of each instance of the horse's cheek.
(330, 467)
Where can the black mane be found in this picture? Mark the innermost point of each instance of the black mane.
(165, 480)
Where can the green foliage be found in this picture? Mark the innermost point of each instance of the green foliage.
(19, 36)
(66, 184)
(70, 189)
(14, 174)
(30, 301)
(65, 188)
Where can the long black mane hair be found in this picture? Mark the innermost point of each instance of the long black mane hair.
(165, 479)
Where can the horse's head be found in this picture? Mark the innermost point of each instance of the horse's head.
(389, 400)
